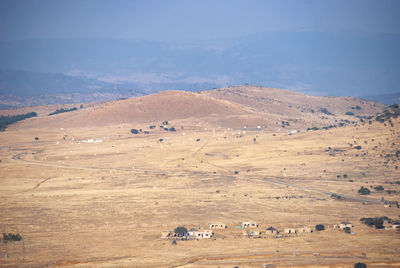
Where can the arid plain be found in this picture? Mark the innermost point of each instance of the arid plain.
(89, 193)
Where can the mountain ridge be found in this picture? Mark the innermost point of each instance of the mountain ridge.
(236, 107)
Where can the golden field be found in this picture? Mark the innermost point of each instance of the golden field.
(81, 203)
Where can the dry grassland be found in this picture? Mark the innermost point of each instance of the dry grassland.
(105, 204)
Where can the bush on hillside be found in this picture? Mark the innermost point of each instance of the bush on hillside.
(363, 191)
(5, 121)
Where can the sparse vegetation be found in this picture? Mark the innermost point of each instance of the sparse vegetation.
(349, 113)
(62, 110)
(5, 121)
(336, 196)
(379, 188)
(11, 237)
(347, 230)
(393, 112)
(312, 128)
(325, 111)
(180, 231)
(360, 265)
(363, 191)
(377, 222)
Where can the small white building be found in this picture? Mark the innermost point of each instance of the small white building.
(217, 226)
(345, 224)
(165, 235)
(290, 231)
(252, 233)
(199, 234)
(249, 224)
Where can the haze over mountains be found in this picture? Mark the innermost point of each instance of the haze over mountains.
(48, 71)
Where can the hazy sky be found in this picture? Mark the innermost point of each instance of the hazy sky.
(180, 20)
(330, 47)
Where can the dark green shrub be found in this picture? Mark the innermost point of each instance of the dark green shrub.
(319, 227)
(377, 222)
(8, 120)
(11, 237)
(347, 230)
(364, 191)
(360, 265)
(379, 188)
(62, 110)
(325, 111)
(134, 131)
(180, 231)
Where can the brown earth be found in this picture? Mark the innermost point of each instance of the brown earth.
(234, 107)
(80, 203)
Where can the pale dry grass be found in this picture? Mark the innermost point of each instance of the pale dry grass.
(106, 204)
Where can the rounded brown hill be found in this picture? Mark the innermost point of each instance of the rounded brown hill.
(291, 103)
(167, 105)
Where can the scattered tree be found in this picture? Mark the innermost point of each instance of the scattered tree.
(134, 131)
(5, 121)
(347, 230)
(379, 188)
(364, 191)
(180, 231)
(325, 111)
(319, 227)
(360, 265)
(62, 110)
(11, 237)
(376, 221)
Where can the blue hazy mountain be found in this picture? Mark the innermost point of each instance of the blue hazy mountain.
(24, 83)
(352, 64)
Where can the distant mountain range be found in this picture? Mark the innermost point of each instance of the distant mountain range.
(325, 64)
(22, 88)
(387, 99)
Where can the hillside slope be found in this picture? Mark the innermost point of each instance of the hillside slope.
(236, 107)
(292, 103)
(185, 107)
